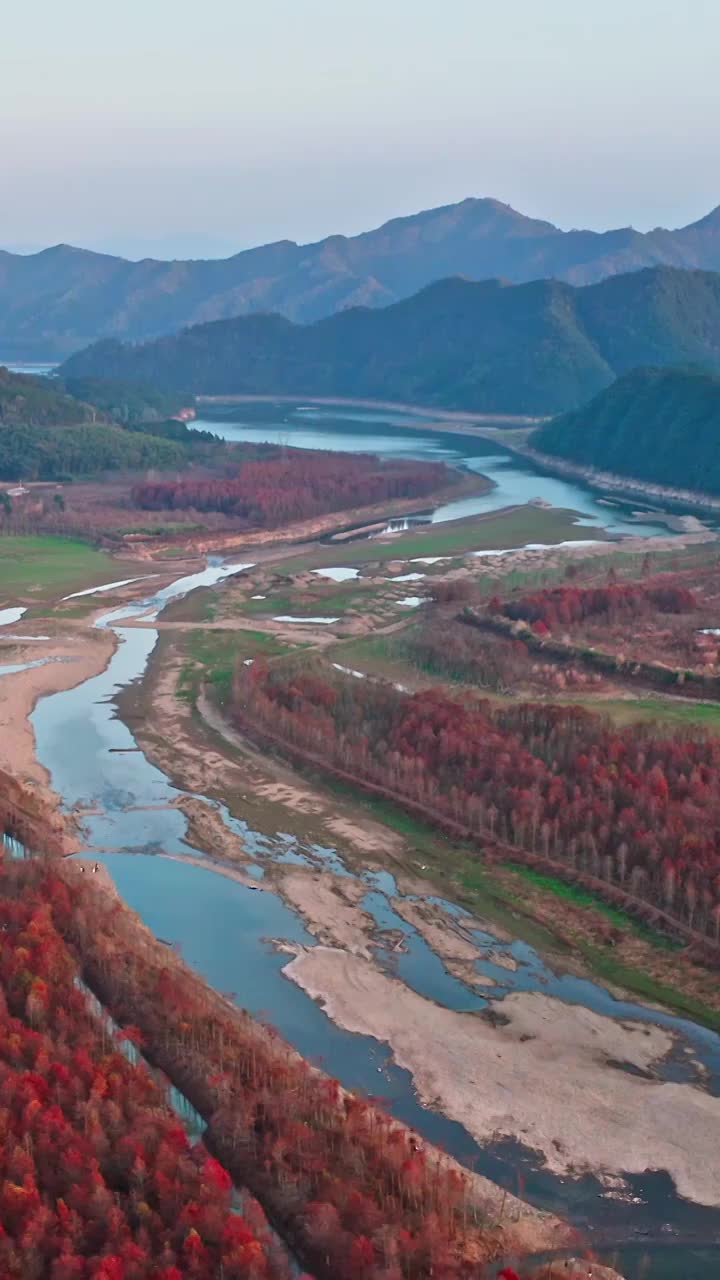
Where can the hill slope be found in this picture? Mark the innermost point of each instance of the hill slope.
(56, 301)
(46, 433)
(37, 402)
(658, 425)
(537, 348)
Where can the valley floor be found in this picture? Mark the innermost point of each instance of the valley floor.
(496, 1067)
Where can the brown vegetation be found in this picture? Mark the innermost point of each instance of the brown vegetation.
(633, 811)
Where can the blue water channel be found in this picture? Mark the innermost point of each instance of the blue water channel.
(227, 931)
(402, 435)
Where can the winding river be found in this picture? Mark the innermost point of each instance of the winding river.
(223, 928)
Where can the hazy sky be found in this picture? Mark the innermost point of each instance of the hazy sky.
(171, 127)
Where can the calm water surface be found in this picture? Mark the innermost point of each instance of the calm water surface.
(226, 930)
(364, 431)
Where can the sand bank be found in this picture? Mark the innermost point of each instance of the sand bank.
(207, 831)
(329, 906)
(544, 1079)
(446, 937)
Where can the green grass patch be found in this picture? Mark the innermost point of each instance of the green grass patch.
(508, 529)
(199, 606)
(611, 970)
(49, 567)
(304, 604)
(583, 898)
(380, 655)
(211, 656)
(163, 530)
(670, 711)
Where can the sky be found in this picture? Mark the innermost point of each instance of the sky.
(173, 129)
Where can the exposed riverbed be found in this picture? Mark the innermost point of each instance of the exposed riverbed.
(229, 932)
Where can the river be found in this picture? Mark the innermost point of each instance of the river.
(402, 435)
(223, 928)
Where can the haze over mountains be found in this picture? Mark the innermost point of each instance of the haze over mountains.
(57, 301)
(536, 348)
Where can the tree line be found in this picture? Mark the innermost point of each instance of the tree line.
(355, 1193)
(98, 1179)
(294, 485)
(614, 602)
(637, 807)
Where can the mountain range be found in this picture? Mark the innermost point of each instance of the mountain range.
(56, 301)
(537, 348)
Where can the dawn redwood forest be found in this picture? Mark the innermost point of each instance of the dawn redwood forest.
(635, 807)
(360, 641)
(98, 1177)
(294, 485)
(563, 608)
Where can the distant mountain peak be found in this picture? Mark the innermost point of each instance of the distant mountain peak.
(60, 299)
(711, 222)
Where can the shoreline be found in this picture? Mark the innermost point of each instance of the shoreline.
(68, 663)
(521, 1229)
(424, 411)
(611, 482)
(314, 528)
(611, 1121)
(340, 972)
(464, 422)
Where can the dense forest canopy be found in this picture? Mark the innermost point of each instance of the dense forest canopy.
(98, 1179)
(294, 484)
(636, 807)
(125, 402)
(60, 453)
(52, 429)
(34, 401)
(528, 349)
(658, 425)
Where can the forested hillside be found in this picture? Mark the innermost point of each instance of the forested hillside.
(56, 301)
(51, 430)
(658, 425)
(38, 401)
(58, 453)
(495, 348)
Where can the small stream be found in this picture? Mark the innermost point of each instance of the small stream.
(224, 931)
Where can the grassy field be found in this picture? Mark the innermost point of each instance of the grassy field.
(322, 602)
(46, 567)
(478, 533)
(673, 712)
(386, 656)
(212, 656)
(382, 656)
